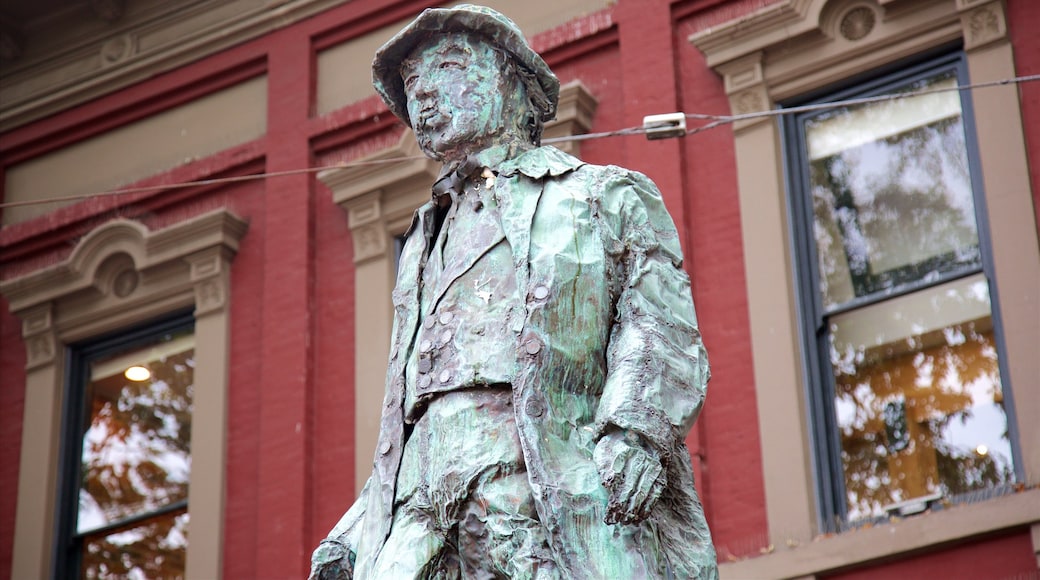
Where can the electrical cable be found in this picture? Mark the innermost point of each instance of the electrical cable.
(715, 121)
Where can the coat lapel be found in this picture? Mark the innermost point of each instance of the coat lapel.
(480, 235)
(519, 196)
(406, 292)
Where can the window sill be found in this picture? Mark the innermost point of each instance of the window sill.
(893, 539)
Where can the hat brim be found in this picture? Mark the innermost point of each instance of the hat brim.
(493, 26)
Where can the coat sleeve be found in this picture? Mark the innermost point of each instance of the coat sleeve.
(334, 557)
(657, 368)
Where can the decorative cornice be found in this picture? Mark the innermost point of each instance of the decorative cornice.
(769, 25)
(983, 23)
(154, 37)
(90, 264)
(806, 44)
(573, 115)
(40, 339)
(800, 23)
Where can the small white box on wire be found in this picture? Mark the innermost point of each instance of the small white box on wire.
(664, 126)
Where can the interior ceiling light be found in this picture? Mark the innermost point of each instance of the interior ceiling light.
(137, 373)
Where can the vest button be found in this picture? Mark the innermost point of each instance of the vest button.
(445, 376)
(533, 346)
(535, 408)
(426, 381)
(428, 323)
(445, 317)
(385, 446)
(425, 346)
(541, 292)
(425, 365)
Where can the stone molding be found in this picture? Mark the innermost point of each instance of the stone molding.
(574, 115)
(153, 36)
(364, 191)
(844, 37)
(205, 242)
(983, 23)
(765, 27)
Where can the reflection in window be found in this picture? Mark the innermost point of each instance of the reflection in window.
(903, 310)
(131, 517)
(920, 413)
(891, 191)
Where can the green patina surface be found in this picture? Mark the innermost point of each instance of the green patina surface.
(545, 362)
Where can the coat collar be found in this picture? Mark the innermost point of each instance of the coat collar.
(538, 162)
(534, 163)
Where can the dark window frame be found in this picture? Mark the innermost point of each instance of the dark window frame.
(67, 542)
(813, 315)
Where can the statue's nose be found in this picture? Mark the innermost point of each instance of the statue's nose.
(424, 89)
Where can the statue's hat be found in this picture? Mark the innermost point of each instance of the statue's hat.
(493, 26)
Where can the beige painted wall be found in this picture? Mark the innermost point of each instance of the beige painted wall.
(160, 142)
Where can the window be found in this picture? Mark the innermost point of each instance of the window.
(908, 387)
(128, 454)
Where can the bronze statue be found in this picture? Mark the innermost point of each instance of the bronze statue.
(545, 364)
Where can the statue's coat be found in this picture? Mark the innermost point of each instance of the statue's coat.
(613, 343)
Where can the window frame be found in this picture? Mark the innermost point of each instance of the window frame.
(820, 384)
(68, 542)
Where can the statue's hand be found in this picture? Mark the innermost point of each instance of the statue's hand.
(332, 561)
(632, 475)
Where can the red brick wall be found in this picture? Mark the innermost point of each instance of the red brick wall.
(12, 403)
(1023, 20)
(735, 494)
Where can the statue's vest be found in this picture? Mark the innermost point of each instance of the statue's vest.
(468, 303)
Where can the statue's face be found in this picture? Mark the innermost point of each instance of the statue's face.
(457, 96)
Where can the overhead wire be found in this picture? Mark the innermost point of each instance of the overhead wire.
(714, 121)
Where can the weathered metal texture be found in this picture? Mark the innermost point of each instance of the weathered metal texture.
(542, 301)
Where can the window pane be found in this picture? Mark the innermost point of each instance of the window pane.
(153, 549)
(891, 193)
(918, 397)
(136, 454)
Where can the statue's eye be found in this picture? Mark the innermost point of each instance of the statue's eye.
(410, 80)
(451, 64)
